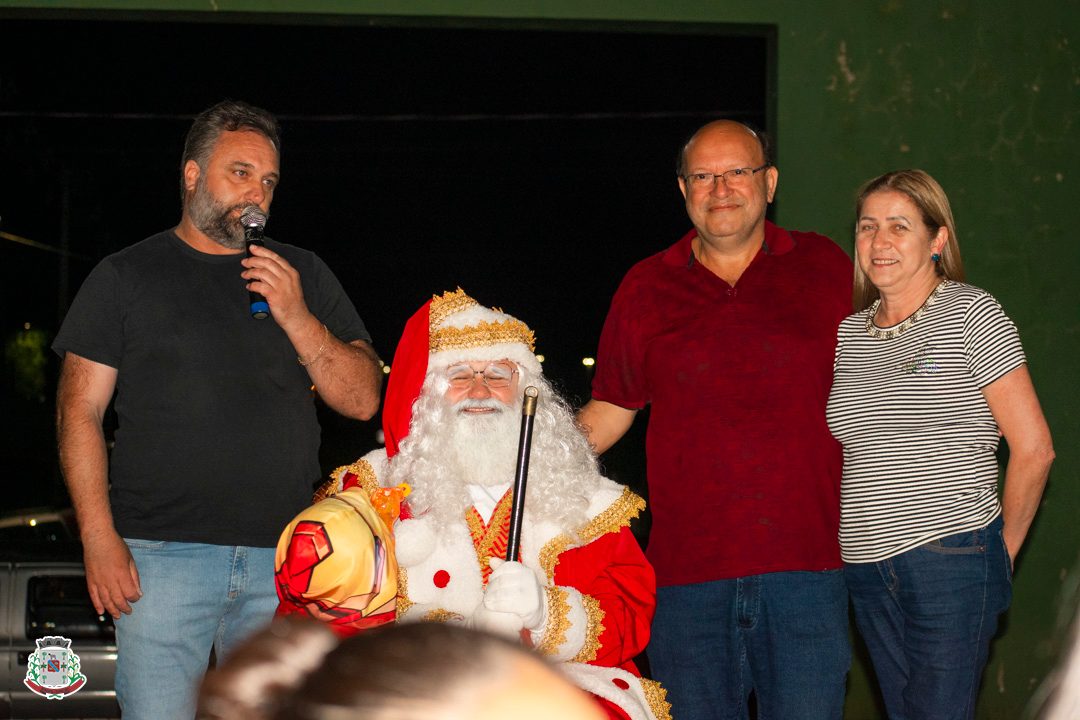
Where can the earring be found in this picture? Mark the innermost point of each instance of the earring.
(936, 257)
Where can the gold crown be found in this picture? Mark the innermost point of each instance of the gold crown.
(448, 304)
(482, 334)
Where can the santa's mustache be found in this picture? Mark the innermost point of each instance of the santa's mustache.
(477, 404)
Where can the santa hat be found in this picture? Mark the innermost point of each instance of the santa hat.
(448, 329)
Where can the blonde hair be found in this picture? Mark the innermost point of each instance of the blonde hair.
(929, 197)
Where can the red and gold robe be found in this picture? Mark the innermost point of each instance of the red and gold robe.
(600, 591)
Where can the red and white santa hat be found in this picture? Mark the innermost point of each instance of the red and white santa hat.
(446, 330)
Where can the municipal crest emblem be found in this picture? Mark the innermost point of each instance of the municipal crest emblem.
(53, 669)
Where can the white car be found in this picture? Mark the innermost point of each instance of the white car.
(43, 594)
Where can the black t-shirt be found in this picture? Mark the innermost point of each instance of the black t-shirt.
(217, 440)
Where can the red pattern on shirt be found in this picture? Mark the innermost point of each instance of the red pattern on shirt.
(491, 541)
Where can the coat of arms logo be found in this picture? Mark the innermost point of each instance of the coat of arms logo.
(53, 669)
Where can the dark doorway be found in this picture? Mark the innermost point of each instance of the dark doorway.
(529, 163)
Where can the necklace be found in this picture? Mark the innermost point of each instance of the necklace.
(896, 331)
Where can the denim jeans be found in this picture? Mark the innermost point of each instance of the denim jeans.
(928, 615)
(194, 596)
(782, 635)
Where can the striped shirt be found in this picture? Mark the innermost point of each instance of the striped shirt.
(919, 439)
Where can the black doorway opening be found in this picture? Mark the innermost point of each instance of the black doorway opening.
(531, 163)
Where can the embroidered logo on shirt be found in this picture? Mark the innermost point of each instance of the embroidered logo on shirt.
(923, 363)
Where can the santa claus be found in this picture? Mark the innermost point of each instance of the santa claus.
(581, 591)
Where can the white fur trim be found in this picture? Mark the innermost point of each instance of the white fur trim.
(536, 535)
(577, 632)
(474, 315)
(517, 352)
(414, 540)
(453, 553)
(376, 459)
(599, 681)
(379, 463)
(605, 496)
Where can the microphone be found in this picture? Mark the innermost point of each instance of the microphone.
(253, 219)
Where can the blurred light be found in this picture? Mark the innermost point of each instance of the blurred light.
(33, 522)
(26, 326)
(588, 362)
(385, 369)
(540, 358)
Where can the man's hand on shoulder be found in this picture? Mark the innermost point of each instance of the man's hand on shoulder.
(111, 575)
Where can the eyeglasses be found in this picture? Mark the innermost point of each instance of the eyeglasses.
(732, 178)
(495, 375)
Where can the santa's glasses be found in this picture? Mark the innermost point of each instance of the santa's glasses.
(494, 375)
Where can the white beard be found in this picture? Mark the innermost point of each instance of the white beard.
(447, 450)
(483, 445)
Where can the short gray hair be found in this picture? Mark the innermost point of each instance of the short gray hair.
(226, 116)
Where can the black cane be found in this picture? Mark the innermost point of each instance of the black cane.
(521, 475)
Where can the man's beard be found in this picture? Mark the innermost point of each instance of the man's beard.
(214, 219)
(484, 444)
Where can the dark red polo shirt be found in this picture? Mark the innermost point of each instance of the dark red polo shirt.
(744, 477)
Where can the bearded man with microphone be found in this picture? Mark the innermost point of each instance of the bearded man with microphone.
(217, 441)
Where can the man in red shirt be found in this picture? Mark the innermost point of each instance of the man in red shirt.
(728, 335)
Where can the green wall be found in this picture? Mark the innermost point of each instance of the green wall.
(985, 95)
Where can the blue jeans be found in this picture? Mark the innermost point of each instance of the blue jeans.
(194, 596)
(782, 635)
(928, 615)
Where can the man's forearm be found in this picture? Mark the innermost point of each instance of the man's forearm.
(604, 424)
(348, 378)
(84, 392)
(84, 462)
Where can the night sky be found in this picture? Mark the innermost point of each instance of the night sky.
(532, 167)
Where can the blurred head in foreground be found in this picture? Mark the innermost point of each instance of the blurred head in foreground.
(297, 670)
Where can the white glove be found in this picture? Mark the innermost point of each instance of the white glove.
(514, 588)
(499, 623)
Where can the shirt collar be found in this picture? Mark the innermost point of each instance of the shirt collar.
(778, 241)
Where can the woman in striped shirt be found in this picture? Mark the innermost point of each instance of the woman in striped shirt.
(929, 373)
